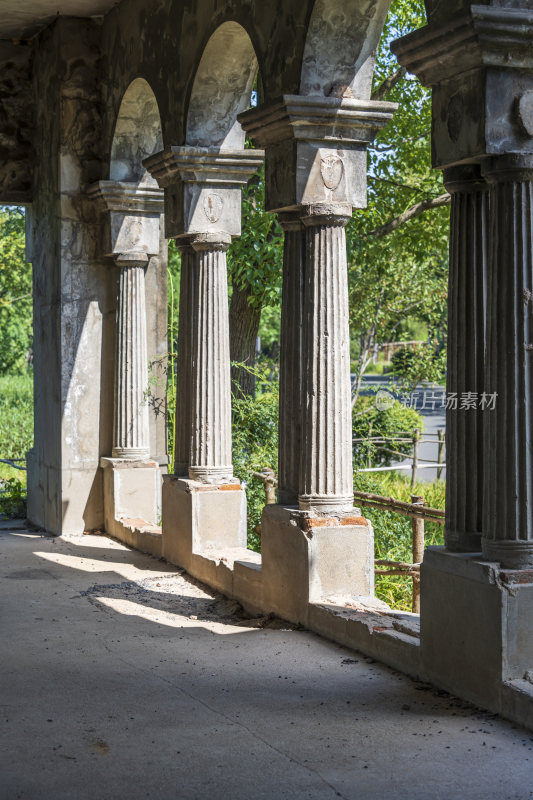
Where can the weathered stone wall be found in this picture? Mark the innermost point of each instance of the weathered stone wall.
(73, 304)
(163, 42)
(16, 122)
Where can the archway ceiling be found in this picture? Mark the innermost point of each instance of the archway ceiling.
(23, 19)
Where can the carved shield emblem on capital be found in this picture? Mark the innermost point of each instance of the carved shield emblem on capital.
(331, 169)
(213, 204)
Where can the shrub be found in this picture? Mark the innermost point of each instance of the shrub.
(414, 365)
(12, 498)
(16, 438)
(369, 421)
(255, 446)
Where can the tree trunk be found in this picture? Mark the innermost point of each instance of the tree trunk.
(367, 341)
(244, 326)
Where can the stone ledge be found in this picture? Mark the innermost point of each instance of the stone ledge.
(190, 486)
(516, 702)
(235, 572)
(126, 463)
(139, 534)
(369, 626)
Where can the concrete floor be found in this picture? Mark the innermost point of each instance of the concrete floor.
(121, 678)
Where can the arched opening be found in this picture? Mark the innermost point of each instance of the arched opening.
(138, 206)
(222, 88)
(340, 50)
(137, 134)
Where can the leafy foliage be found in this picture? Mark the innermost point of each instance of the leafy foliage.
(174, 275)
(12, 499)
(16, 416)
(393, 532)
(255, 446)
(425, 362)
(16, 438)
(397, 422)
(255, 259)
(15, 293)
(403, 275)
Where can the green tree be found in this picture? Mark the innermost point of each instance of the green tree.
(398, 246)
(15, 293)
(255, 262)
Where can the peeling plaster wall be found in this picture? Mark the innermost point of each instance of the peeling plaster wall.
(16, 123)
(222, 89)
(341, 46)
(73, 317)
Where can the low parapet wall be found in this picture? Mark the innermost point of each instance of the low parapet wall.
(318, 576)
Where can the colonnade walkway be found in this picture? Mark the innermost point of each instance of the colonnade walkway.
(123, 678)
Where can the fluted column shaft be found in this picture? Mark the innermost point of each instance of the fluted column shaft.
(290, 370)
(466, 357)
(326, 474)
(508, 496)
(131, 438)
(210, 457)
(182, 444)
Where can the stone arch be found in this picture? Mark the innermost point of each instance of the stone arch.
(340, 49)
(222, 88)
(137, 134)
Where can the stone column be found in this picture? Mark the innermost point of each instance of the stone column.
(182, 443)
(290, 370)
(131, 426)
(210, 458)
(466, 357)
(508, 496)
(326, 474)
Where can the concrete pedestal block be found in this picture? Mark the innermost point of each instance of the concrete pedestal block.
(200, 519)
(308, 559)
(132, 491)
(476, 625)
(66, 501)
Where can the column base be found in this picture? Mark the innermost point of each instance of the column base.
(64, 502)
(328, 504)
(510, 554)
(132, 494)
(462, 542)
(130, 453)
(212, 475)
(310, 559)
(476, 625)
(200, 519)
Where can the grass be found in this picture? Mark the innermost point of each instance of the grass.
(16, 438)
(392, 532)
